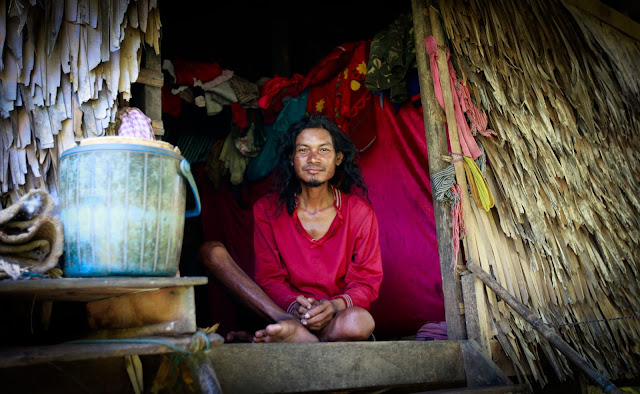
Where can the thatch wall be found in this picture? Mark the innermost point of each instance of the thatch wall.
(562, 92)
(62, 66)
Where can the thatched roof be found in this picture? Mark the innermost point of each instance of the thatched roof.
(62, 66)
(562, 91)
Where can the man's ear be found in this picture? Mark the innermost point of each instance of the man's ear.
(339, 158)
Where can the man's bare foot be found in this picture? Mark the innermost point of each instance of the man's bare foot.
(285, 331)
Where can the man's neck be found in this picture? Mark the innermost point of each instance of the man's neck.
(314, 199)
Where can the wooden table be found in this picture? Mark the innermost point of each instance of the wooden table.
(117, 308)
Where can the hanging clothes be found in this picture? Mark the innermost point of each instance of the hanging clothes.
(344, 98)
(275, 91)
(294, 110)
(247, 92)
(392, 56)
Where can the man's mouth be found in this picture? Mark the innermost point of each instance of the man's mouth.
(313, 170)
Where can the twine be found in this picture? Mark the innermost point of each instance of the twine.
(442, 180)
(197, 343)
(444, 187)
(458, 223)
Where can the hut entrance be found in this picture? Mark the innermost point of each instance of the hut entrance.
(265, 42)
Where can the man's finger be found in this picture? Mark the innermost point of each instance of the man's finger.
(302, 310)
(319, 308)
(303, 301)
(320, 317)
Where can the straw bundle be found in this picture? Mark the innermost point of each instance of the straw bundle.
(62, 65)
(562, 91)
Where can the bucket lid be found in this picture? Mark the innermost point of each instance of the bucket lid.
(124, 143)
(128, 140)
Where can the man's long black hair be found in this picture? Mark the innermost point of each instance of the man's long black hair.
(347, 178)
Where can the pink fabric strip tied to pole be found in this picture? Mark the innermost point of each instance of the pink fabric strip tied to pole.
(468, 145)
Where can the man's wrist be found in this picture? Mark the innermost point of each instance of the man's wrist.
(338, 304)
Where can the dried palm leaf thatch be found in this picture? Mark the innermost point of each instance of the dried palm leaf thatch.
(62, 66)
(562, 91)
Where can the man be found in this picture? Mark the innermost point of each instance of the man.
(316, 243)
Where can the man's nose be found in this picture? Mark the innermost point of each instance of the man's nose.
(313, 157)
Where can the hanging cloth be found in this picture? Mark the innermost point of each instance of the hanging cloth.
(468, 145)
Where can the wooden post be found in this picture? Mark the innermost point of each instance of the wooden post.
(152, 79)
(203, 373)
(469, 242)
(436, 147)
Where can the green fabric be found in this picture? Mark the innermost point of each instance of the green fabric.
(294, 110)
(392, 54)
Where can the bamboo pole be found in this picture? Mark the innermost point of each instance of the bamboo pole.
(437, 146)
(469, 243)
(605, 384)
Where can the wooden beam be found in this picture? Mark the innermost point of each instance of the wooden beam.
(470, 245)
(608, 15)
(83, 350)
(91, 289)
(150, 77)
(295, 367)
(437, 146)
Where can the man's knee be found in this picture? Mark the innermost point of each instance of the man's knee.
(357, 324)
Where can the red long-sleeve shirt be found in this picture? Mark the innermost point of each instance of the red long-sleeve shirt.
(345, 263)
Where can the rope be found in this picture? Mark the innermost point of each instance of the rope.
(457, 223)
(441, 183)
(207, 344)
(444, 187)
(442, 180)
(199, 338)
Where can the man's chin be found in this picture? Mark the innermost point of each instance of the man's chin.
(313, 183)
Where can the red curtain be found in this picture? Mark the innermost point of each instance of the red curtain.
(396, 170)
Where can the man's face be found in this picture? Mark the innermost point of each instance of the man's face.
(314, 157)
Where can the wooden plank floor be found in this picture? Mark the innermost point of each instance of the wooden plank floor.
(268, 368)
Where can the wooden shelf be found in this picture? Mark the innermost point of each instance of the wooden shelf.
(91, 289)
(18, 357)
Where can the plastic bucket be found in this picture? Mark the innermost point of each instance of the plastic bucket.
(122, 204)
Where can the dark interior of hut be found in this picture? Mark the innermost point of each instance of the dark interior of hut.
(258, 40)
(255, 39)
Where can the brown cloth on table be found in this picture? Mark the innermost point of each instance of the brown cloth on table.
(29, 235)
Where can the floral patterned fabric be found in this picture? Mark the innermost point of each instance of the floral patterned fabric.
(345, 99)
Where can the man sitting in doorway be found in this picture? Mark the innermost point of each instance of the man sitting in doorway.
(317, 254)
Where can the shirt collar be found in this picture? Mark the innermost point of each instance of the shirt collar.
(337, 198)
